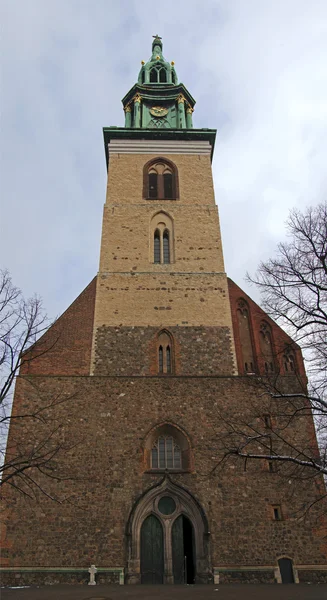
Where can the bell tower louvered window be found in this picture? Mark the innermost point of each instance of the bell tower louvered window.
(160, 180)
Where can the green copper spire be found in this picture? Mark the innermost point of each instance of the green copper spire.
(157, 100)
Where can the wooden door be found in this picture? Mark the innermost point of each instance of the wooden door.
(286, 570)
(152, 554)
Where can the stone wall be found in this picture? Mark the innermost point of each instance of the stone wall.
(105, 426)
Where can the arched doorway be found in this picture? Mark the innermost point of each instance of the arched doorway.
(183, 550)
(167, 534)
(286, 570)
(152, 551)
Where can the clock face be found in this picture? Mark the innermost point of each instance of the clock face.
(158, 111)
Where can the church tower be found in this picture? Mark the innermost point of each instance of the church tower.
(133, 398)
(162, 298)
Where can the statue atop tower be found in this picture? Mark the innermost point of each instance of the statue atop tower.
(157, 100)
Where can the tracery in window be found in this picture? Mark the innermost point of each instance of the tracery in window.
(243, 319)
(266, 347)
(158, 74)
(167, 447)
(165, 353)
(166, 454)
(161, 239)
(160, 175)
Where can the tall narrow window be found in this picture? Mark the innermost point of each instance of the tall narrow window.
(166, 251)
(162, 243)
(168, 185)
(160, 179)
(289, 361)
(153, 76)
(165, 353)
(153, 184)
(161, 359)
(168, 361)
(162, 75)
(156, 247)
(245, 336)
(266, 347)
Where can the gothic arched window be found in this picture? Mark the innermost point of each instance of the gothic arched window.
(160, 180)
(289, 361)
(162, 236)
(266, 347)
(167, 447)
(165, 353)
(244, 328)
(166, 454)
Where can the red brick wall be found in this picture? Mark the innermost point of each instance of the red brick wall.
(280, 339)
(65, 349)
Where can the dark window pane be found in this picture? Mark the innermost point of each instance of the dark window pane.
(160, 359)
(162, 455)
(169, 453)
(153, 185)
(166, 505)
(157, 247)
(168, 361)
(166, 252)
(168, 185)
(162, 75)
(153, 76)
(154, 458)
(177, 457)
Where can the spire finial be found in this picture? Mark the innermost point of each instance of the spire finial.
(157, 44)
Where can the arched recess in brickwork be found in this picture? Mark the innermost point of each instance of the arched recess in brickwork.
(167, 447)
(245, 333)
(165, 353)
(289, 361)
(160, 180)
(266, 347)
(161, 238)
(182, 502)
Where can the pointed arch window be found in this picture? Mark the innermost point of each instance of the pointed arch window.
(166, 248)
(162, 241)
(244, 328)
(266, 348)
(167, 447)
(160, 180)
(166, 454)
(156, 247)
(289, 361)
(165, 353)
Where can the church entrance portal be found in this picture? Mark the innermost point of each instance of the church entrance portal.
(183, 550)
(167, 536)
(152, 551)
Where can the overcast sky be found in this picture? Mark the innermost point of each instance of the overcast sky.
(257, 70)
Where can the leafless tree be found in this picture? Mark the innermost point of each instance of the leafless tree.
(34, 440)
(278, 426)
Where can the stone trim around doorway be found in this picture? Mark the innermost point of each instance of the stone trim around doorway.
(186, 505)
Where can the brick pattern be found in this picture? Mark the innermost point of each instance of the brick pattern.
(65, 348)
(280, 339)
